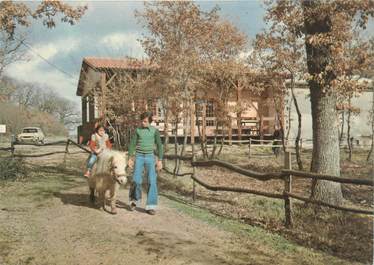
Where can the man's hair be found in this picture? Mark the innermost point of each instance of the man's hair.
(148, 115)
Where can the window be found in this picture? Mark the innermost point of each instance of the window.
(209, 122)
(30, 130)
(210, 109)
(96, 106)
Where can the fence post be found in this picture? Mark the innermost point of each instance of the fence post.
(288, 189)
(12, 140)
(249, 147)
(66, 152)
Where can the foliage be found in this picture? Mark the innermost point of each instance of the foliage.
(12, 169)
(30, 104)
(190, 46)
(15, 15)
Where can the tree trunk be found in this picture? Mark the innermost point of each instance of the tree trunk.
(200, 136)
(342, 128)
(239, 125)
(349, 142)
(371, 147)
(185, 134)
(239, 112)
(222, 139)
(289, 121)
(297, 140)
(279, 112)
(176, 161)
(212, 155)
(166, 130)
(230, 131)
(372, 129)
(326, 155)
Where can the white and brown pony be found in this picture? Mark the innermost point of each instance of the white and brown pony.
(108, 174)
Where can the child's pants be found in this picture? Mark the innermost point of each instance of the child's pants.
(91, 161)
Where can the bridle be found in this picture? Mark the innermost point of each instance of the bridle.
(115, 177)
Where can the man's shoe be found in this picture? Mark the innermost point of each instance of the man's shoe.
(132, 206)
(151, 212)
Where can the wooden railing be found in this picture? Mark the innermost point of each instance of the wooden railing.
(65, 143)
(286, 175)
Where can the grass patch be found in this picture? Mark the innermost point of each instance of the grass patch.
(289, 252)
(12, 169)
(266, 208)
(41, 184)
(256, 233)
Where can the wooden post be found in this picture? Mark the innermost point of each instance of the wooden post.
(288, 189)
(12, 145)
(230, 131)
(249, 147)
(66, 152)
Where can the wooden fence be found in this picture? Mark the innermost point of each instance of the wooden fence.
(65, 143)
(286, 175)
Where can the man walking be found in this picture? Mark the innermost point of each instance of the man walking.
(142, 144)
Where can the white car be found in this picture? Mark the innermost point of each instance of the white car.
(31, 134)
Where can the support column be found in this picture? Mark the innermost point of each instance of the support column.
(204, 122)
(84, 110)
(102, 110)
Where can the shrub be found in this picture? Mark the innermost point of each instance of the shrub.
(12, 169)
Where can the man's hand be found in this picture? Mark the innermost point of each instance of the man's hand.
(130, 163)
(159, 165)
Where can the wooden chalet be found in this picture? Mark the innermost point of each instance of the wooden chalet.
(257, 119)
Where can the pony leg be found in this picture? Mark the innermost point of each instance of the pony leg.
(102, 199)
(92, 195)
(113, 199)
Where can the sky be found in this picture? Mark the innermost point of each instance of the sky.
(108, 29)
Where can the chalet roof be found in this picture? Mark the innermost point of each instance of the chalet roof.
(121, 63)
(99, 65)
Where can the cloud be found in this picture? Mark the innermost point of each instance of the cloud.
(52, 49)
(126, 43)
(36, 70)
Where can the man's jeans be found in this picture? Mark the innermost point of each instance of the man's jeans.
(91, 161)
(147, 161)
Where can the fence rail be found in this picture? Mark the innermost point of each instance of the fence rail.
(310, 175)
(245, 172)
(286, 175)
(65, 143)
(236, 189)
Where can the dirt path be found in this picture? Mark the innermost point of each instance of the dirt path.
(69, 231)
(65, 229)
